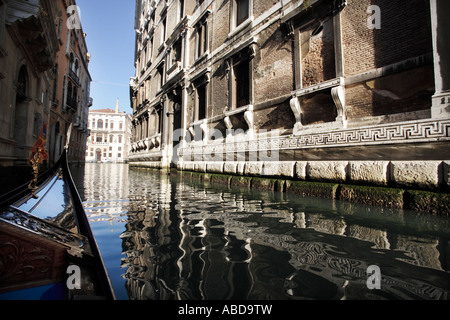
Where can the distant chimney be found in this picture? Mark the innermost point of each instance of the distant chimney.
(117, 106)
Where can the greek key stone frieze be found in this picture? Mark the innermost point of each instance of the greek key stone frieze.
(404, 132)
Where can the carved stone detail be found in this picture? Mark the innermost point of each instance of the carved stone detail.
(338, 94)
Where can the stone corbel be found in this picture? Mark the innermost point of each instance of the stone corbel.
(252, 50)
(192, 131)
(204, 127)
(227, 65)
(249, 118)
(338, 94)
(228, 123)
(295, 107)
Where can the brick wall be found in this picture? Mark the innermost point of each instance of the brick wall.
(406, 91)
(405, 33)
(272, 65)
(318, 108)
(278, 117)
(317, 51)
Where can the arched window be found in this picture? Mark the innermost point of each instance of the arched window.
(100, 124)
(22, 84)
(69, 93)
(71, 61)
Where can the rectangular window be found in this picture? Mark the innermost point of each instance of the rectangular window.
(180, 9)
(201, 97)
(202, 39)
(163, 30)
(177, 51)
(160, 71)
(242, 83)
(242, 11)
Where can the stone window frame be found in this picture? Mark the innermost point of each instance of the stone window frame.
(201, 27)
(336, 85)
(163, 32)
(201, 79)
(175, 63)
(245, 55)
(160, 72)
(181, 9)
(235, 28)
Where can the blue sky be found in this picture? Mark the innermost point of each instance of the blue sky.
(109, 25)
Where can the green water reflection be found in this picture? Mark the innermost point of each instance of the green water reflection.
(169, 237)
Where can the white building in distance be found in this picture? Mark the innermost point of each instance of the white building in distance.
(110, 136)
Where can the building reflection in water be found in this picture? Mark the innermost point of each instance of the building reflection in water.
(187, 241)
(170, 237)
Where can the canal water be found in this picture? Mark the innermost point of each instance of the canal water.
(168, 237)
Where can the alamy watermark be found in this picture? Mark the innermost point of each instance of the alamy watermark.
(74, 20)
(374, 21)
(374, 277)
(216, 145)
(74, 280)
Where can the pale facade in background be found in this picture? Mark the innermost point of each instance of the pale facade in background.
(110, 136)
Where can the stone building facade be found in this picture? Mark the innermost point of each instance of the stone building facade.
(110, 136)
(330, 90)
(40, 59)
(71, 95)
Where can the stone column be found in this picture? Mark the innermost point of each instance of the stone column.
(441, 53)
(165, 136)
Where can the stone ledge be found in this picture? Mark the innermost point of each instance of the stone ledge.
(279, 169)
(329, 171)
(426, 175)
(398, 198)
(215, 167)
(253, 168)
(417, 174)
(147, 164)
(369, 172)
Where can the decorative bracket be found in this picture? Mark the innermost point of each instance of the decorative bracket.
(228, 123)
(295, 107)
(204, 127)
(249, 118)
(338, 95)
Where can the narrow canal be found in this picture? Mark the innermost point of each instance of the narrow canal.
(168, 237)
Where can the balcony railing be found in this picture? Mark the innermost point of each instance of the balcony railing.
(74, 77)
(72, 104)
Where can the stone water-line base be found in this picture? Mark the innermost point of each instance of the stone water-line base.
(416, 185)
